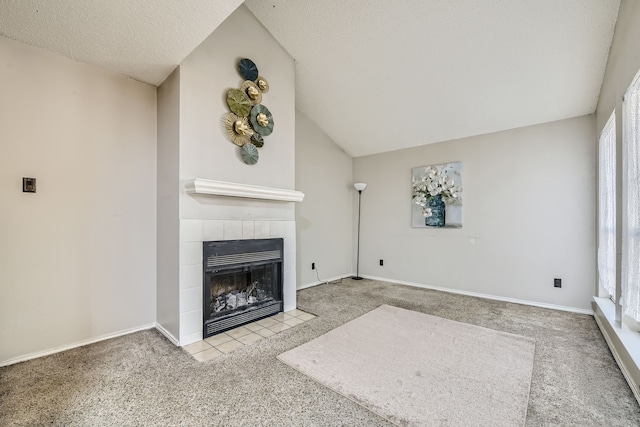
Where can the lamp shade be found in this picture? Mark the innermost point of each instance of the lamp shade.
(360, 186)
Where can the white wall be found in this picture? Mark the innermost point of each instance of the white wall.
(623, 63)
(77, 258)
(529, 215)
(324, 172)
(204, 151)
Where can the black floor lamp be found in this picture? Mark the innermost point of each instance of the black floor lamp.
(358, 186)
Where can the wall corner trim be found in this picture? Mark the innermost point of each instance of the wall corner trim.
(323, 282)
(167, 334)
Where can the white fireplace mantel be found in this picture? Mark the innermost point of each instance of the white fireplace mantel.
(231, 189)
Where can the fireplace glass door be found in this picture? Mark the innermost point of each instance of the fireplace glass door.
(241, 289)
(242, 282)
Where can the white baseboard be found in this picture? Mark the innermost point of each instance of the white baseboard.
(167, 334)
(623, 343)
(74, 345)
(485, 296)
(322, 282)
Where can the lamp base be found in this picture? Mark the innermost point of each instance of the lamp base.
(356, 278)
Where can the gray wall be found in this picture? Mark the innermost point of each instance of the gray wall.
(529, 213)
(324, 172)
(168, 230)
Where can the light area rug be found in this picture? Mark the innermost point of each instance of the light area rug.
(414, 369)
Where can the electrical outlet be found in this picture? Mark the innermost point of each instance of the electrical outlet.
(381, 262)
(557, 283)
(313, 265)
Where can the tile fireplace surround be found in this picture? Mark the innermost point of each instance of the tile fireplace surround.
(240, 212)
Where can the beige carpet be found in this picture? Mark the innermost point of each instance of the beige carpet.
(414, 369)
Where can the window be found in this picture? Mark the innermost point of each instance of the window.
(629, 194)
(607, 207)
(631, 201)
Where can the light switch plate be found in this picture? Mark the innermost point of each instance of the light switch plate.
(28, 185)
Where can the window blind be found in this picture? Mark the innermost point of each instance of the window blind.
(631, 202)
(607, 207)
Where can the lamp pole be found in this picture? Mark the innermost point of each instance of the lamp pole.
(358, 186)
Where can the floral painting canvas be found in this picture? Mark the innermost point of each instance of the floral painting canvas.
(436, 195)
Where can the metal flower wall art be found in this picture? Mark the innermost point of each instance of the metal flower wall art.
(249, 120)
(436, 197)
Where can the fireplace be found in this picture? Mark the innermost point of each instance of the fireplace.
(242, 282)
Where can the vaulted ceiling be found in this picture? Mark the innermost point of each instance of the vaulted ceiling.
(142, 39)
(375, 75)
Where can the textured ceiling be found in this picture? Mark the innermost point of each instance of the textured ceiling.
(379, 75)
(375, 75)
(142, 39)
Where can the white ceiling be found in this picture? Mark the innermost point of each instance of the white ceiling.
(378, 75)
(375, 75)
(142, 39)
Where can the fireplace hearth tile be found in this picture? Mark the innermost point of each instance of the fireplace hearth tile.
(267, 322)
(228, 347)
(197, 347)
(293, 322)
(246, 335)
(238, 332)
(279, 327)
(295, 312)
(219, 339)
(250, 338)
(209, 354)
(265, 332)
(281, 317)
(306, 316)
(254, 326)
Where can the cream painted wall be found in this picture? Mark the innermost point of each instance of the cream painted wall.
(168, 230)
(623, 63)
(77, 258)
(529, 215)
(324, 172)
